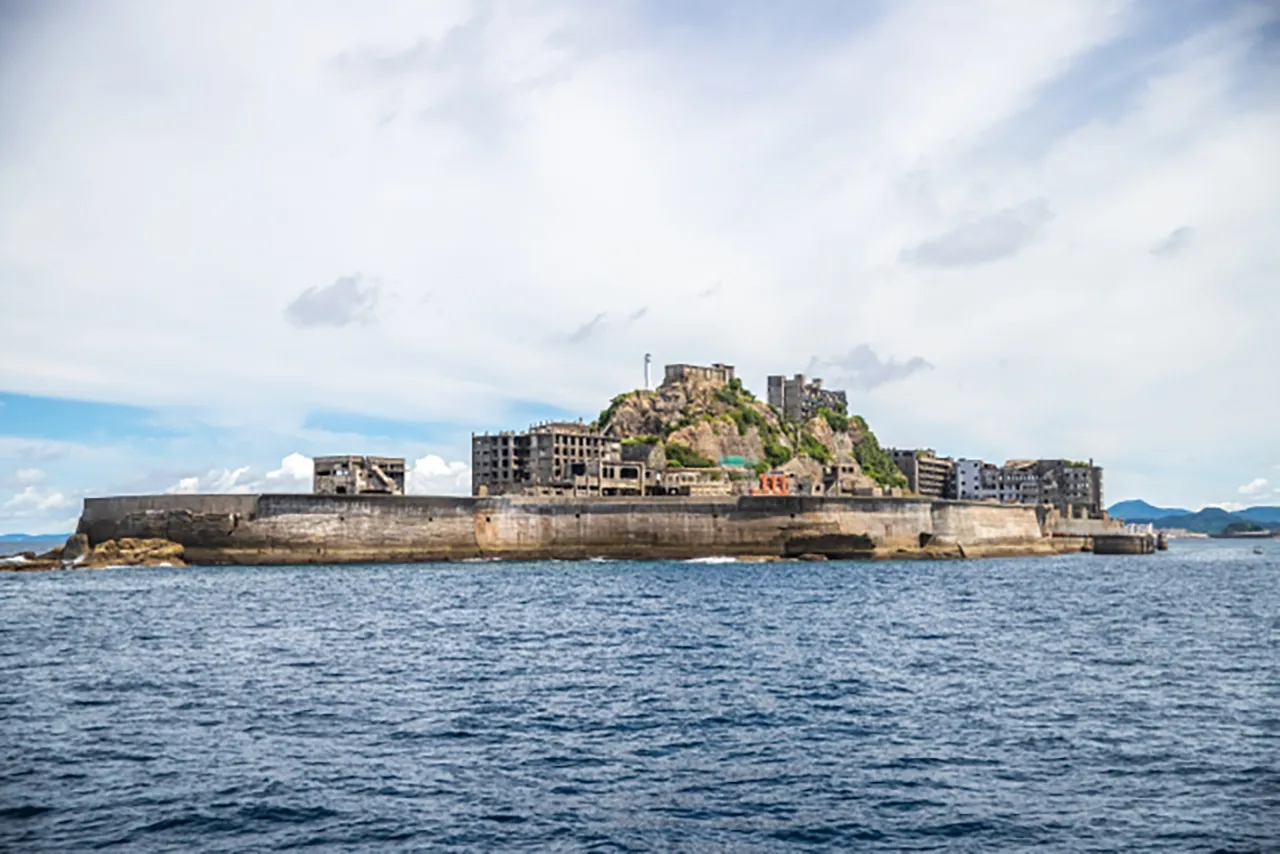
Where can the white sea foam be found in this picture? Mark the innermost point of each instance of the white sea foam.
(717, 559)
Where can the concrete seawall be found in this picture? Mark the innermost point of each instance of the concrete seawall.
(259, 529)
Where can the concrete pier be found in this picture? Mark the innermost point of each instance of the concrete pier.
(1124, 544)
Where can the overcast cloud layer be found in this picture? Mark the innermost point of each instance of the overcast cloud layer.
(1018, 229)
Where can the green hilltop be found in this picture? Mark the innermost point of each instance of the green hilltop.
(698, 423)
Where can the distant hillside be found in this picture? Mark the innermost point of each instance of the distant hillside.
(1137, 510)
(1210, 520)
(1266, 516)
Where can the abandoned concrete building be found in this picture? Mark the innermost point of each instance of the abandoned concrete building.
(799, 399)
(926, 472)
(1073, 487)
(1069, 485)
(356, 475)
(842, 479)
(547, 459)
(717, 373)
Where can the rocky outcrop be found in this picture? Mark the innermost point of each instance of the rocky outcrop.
(129, 551)
(77, 548)
(77, 554)
(717, 438)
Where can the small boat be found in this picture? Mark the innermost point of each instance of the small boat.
(1257, 550)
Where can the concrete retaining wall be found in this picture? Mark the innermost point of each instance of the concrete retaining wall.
(332, 529)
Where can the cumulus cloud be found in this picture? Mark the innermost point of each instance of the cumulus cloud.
(36, 510)
(862, 369)
(337, 304)
(428, 475)
(29, 475)
(32, 499)
(296, 474)
(431, 475)
(1174, 242)
(215, 481)
(985, 239)
(1253, 487)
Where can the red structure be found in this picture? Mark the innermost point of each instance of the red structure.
(773, 484)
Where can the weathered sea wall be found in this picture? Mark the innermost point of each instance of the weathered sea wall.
(259, 529)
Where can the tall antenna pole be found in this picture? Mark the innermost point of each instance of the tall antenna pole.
(647, 359)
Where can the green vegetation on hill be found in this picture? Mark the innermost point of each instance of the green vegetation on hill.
(875, 460)
(811, 447)
(733, 393)
(606, 415)
(682, 455)
(661, 415)
(837, 421)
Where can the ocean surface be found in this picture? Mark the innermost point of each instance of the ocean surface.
(38, 544)
(1080, 703)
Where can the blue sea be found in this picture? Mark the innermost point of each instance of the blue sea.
(1080, 703)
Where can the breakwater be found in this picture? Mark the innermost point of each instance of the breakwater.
(292, 529)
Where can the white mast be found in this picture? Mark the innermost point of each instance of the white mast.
(647, 359)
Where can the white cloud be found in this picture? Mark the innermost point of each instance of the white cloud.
(295, 474)
(541, 164)
(428, 475)
(216, 481)
(431, 475)
(32, 499)
(1229, 506)
(29, 475)
(1253, 487)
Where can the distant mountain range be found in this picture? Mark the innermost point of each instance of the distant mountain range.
(1210, 520)
(26, 538)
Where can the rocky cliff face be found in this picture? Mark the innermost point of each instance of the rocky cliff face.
(706, 422)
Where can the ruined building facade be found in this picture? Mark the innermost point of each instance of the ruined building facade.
(1073, 487)
(556, 458)
(358, 475)
(717, 373)
(927, 473)
(799, 399)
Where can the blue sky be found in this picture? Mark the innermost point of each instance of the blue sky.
(233, 236)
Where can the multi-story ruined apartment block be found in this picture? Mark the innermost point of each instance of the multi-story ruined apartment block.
(1073, 487)
(545, 460)
(717, 373)
(927, 473)
(352, 475)
(799, 399)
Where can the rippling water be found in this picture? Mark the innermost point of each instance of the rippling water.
(1071, 704)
